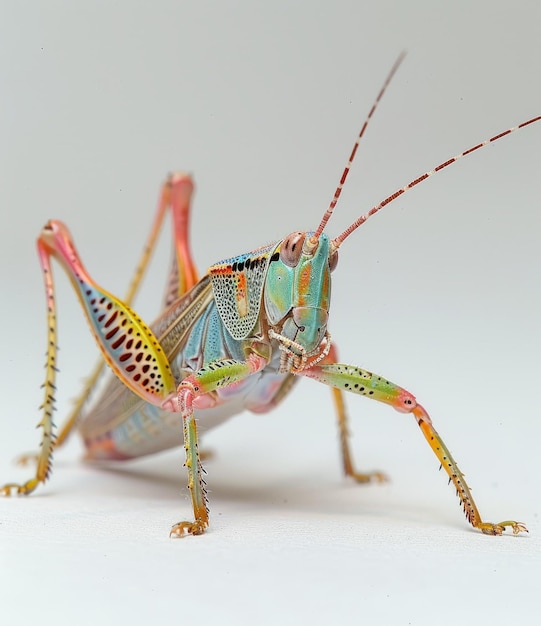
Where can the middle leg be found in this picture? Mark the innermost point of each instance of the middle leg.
(344, 434)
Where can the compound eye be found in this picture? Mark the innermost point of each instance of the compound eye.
(291, 249)
(333, 260)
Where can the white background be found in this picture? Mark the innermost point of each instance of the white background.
(440, 293)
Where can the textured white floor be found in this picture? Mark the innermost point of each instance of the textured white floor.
(440, 293)
(290, 542)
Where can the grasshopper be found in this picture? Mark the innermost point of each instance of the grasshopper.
(238, 338)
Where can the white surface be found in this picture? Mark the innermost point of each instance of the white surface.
(439, 292)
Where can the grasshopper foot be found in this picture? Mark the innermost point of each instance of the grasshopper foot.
(28, 458)
(188, 528)
(10, 489)
(369, 477)
(497, 529)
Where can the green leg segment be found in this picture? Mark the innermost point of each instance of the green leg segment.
(359, 381)
(197, 391)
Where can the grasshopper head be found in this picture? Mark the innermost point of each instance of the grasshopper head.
(297, 294)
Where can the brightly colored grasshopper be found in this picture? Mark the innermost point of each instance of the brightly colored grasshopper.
(237, 339)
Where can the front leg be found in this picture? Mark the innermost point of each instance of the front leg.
(197, 391)
(362, 382)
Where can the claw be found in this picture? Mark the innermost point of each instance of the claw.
(370, 477)
(13, 488)
(188, 528)
(519, 527)
(6, 490)
(497, 529)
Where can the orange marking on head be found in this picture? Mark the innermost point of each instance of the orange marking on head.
(304, 284)
(325, 290)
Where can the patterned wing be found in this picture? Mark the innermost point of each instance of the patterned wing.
(116, 402)
(238, 288)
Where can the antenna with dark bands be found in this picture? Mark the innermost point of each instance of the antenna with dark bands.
(345, 173)
(361, 220)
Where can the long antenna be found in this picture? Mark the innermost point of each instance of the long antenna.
(345, 173)
(361, 220)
